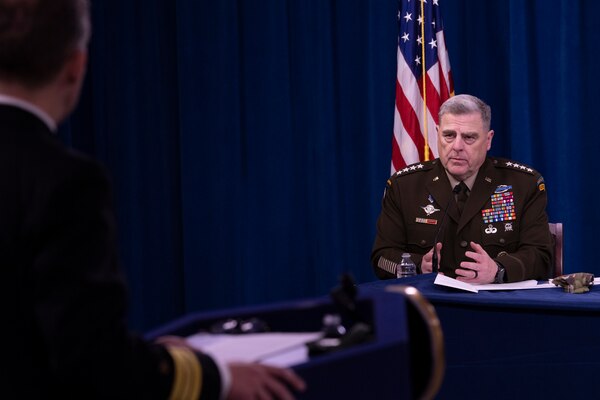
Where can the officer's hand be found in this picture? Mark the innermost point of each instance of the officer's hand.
(257, 381)
(426, 266)
(481, 270)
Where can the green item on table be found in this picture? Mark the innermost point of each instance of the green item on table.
(578, 282)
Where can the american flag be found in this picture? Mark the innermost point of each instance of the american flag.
(420, 24)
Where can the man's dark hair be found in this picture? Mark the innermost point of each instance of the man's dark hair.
(37, 36)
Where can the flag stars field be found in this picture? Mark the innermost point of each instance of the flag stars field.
(423, 72)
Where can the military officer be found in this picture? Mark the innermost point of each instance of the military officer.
(496, 226)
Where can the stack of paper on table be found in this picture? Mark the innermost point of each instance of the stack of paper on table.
(444, 280)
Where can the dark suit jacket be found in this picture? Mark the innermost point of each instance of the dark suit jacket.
(414, 204)
(63, 297)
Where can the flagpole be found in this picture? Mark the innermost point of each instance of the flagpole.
(423, 76)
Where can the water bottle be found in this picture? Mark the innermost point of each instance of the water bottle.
(406, 267)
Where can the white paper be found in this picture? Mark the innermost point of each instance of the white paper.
(444, 280)
(281, 349)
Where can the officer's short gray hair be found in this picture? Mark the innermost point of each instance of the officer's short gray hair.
(466, 104)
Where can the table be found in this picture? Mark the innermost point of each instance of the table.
(538, 343)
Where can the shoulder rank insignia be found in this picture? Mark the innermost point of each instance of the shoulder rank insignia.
(514, 165)
(421, 166)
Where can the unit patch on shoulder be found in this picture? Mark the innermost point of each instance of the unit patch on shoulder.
(540, 184)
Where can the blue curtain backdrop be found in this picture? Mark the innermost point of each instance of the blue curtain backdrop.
(249, 140)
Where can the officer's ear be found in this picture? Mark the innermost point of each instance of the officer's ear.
(490, 135)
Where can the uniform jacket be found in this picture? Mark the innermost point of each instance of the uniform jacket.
(505, 213)
(63, 298)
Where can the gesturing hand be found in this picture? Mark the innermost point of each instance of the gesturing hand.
(426, 262)
(481, 270)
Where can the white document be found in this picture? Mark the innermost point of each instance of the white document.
(444, 280)
(280, 349)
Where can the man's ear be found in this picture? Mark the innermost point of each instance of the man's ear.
(70, 81)
(490, 136)
(74, 69)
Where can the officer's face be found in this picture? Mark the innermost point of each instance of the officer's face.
(463, 144)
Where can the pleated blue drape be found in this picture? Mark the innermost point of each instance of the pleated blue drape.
(249, 140)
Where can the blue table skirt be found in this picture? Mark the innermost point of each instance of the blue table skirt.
(524, 344)
(551, 299)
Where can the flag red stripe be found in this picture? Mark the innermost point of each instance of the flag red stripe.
(409, 140)
(434, 100)
(409, 119)
(397, 159)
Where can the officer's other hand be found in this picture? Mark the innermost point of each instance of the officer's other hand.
(481, 270)
(426, 264)
(257, 381)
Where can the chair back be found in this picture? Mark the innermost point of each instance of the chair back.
(556, 230)
(427, 356)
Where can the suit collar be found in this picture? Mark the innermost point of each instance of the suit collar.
(470, 181)
(31, 108)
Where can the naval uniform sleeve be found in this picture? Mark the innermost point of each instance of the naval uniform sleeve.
(391, 237)
(532, 259)
(217, 379)
(78, 290)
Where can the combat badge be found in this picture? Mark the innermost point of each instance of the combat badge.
(502, 188)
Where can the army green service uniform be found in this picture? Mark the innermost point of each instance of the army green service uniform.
(505, 213)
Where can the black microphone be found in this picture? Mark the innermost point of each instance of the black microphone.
(434, 257)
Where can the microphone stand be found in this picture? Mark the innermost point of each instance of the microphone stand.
(434, 257)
